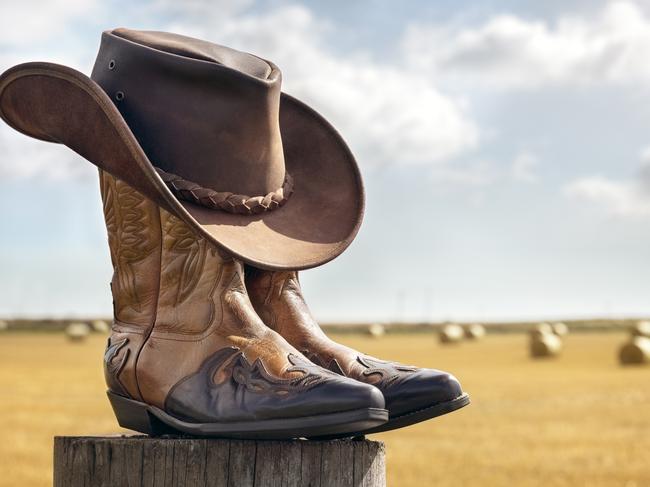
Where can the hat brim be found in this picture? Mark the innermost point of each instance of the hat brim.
(319, 221)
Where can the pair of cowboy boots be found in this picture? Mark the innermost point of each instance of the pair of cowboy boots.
(204, 345)
(210, 173)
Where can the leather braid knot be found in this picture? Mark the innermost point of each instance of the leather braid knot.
(226, 201)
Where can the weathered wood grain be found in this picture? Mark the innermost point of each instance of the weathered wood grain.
(141, 461)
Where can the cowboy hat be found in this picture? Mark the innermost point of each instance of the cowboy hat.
(206, 133)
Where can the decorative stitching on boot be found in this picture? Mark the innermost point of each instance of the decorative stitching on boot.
(333, 365)
(389, 372)
(129, 223)
(113, 367)
(256, 378)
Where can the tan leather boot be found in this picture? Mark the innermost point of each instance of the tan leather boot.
(412, 394)
(187, 351)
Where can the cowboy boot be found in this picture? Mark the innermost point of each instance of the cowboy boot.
(187, 351)
(412, 394)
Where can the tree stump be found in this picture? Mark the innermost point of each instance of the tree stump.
(133, 461)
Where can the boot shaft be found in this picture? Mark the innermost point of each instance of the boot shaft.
(163, 274)
(134, 236)
(277, 298)
(176, 298)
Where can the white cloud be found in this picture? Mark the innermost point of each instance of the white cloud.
(197, 11)
(644, 178)
(43, 30)
(628, 198)
(611, 45)
(619, 198)
(477, 174)
(22, 157)
(49, 30)
(387, 114)
(644, 154)
(27, 22)
(524, 168)
(483, 172)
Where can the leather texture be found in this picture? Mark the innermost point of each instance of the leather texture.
(215, 118)
(226, 201)
(228, 387)
(186, 338)
(277, 298)
(224, 134)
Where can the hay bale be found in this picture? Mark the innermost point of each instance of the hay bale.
(4, 326)
(636, 351)
(545, 345)
(541, 330)
(560, 329)
(474, 331)
(451, 334)
(77, 332)
(376, 330)
(100, 326)
(641, 329)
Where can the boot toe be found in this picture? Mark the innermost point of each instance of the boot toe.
(421, 389)
(342, 394)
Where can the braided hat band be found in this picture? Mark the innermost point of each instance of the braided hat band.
(226, 201)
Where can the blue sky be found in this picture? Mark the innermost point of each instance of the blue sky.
(504, 145)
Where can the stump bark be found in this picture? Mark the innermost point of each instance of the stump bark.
(134, 461)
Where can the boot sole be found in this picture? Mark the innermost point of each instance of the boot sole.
(153, 421)
(409, 418)
(417, 416)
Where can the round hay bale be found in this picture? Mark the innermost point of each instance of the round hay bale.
(77, 332)
(376, 330)
(541, 330)
(100, 326)
(641, 329)
(4, 326)
(545, 345)
(451, 334)
(475, 331)
(560, 329)
(636, 351)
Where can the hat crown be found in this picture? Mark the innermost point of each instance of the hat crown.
(204, 112)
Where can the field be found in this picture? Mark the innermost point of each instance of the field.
(579, 420)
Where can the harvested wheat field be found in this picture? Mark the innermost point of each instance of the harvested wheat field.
(579, 419)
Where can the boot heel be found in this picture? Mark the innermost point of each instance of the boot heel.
(134, 415)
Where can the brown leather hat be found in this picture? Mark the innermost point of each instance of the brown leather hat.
(205, 132)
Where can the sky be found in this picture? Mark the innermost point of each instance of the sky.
(505, 150)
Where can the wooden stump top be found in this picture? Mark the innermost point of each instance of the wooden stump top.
(134, 461)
